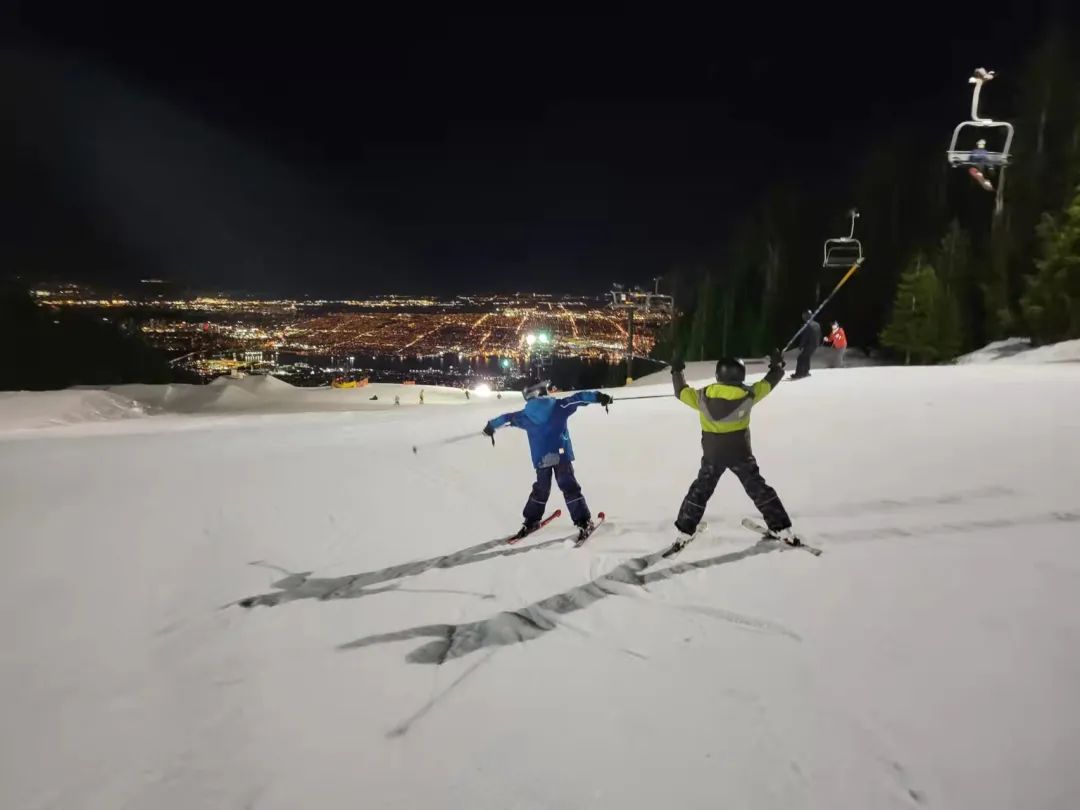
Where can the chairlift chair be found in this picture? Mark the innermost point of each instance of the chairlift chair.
(843, 251)
(979, 157)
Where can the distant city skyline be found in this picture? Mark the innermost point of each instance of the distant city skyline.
(494, 337)
(46, 287)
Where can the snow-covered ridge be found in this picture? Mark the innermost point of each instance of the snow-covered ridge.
(1019, 350)
(29, 410)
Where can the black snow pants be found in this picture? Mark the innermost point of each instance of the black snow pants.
(746, 470)
(802, 363)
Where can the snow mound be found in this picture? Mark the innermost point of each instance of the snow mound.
(1019, 350)
(28, 410)
(255, 394)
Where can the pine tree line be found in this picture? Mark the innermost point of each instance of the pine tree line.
(945, 273)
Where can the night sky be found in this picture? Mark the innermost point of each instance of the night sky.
(303, 152)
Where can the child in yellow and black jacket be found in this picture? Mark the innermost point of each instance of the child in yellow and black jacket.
(724, 409)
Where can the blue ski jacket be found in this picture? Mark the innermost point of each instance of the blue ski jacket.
(544, 420)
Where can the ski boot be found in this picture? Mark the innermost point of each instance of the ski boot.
(526, 529)
(683, 540)
(784, 535)
(584, 530)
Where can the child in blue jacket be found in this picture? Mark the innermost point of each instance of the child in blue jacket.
(544, 420)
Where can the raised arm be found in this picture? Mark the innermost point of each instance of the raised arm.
(762, 388)
(686, 394)
(575, 401)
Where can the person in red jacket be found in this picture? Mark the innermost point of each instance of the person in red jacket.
(837, 338)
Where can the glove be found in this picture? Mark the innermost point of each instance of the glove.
(490, 431)
(603, 399)
(776, 359)
(677, 365)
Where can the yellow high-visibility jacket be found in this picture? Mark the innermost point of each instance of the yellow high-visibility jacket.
(724, 411)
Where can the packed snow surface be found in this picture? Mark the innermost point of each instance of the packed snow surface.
(1019, 350)
(393, 653)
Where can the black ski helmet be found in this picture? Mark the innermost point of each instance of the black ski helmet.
(730, 370)
(536, 389)
(807, 315)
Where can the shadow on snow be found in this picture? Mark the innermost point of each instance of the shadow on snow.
(452, 641)
(353, 586)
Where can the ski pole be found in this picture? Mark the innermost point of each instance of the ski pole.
(821, 306)
(644, 396)
(441, 442)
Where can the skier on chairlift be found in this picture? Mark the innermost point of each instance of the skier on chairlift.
(981, 164)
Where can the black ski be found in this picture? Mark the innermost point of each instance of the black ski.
(768, 536)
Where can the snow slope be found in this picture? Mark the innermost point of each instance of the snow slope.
(396, 656)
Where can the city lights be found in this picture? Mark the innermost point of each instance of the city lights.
(511, 329)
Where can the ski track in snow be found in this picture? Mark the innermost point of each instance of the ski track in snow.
(928, 658)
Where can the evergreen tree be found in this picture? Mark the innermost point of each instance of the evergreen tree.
(1051, 302)
(915, 327)
(950, 328)
(953, 263)
(58, 349)
(704, 321)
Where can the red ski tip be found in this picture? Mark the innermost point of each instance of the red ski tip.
(558, 513)
(601, 515)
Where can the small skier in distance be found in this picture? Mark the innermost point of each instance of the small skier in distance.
(724, 409)
(837, 338)
(544, 420)
(808, 343)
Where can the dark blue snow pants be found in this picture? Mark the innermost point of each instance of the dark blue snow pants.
(571, 490)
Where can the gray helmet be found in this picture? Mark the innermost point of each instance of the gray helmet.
(536, 389)
(730, 370)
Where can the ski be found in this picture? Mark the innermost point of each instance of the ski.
(583, 535)
(683, 542)
(767, 536)
(521, 535)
